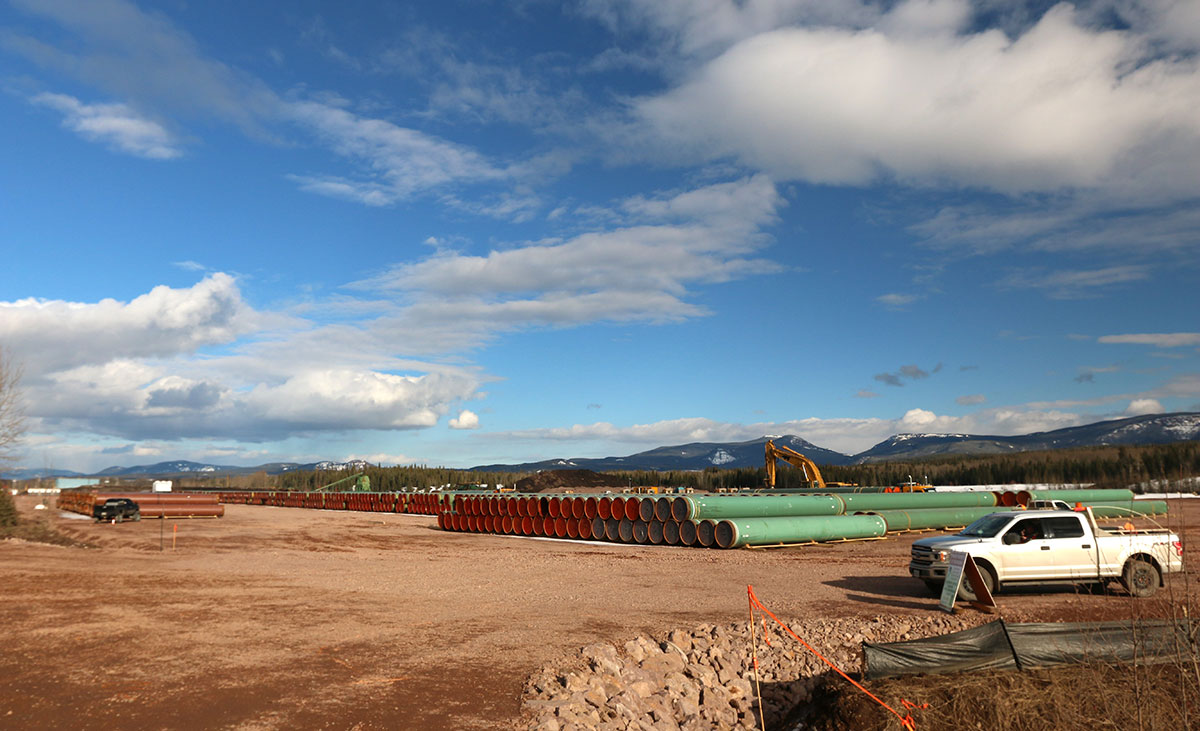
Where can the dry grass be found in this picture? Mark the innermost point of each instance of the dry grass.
(1097, 696)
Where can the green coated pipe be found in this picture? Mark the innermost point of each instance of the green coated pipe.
(917, 501)
(735, 532)
(713, 507)
(924, 519)
(1133, 508)
(1100, 496)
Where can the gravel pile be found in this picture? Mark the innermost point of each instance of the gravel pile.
(704, 678)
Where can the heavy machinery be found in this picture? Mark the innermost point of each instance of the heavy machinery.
(812, 475)
(361, 482)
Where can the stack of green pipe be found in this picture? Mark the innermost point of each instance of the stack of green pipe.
(1099, 495)
(735, 532)
(863, 502)
(700, 507)
(922, 519)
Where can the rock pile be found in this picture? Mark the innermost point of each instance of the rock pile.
(704, 678)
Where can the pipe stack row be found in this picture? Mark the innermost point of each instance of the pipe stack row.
(733, 520)
(415, 503)
(150, 504)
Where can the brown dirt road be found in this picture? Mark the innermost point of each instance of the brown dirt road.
(287, 618)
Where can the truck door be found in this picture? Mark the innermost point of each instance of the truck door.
(1025, 555)
(1073, 548)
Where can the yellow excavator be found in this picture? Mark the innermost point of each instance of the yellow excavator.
(811, 474)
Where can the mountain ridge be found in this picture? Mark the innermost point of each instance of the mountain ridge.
(1147, 429)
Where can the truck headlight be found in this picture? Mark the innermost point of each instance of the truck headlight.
(942, 555)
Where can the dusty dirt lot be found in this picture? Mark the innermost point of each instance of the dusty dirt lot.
(289, 618)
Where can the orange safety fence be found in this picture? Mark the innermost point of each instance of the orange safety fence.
(906, 720)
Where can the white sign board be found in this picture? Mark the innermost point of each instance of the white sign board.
(162, 486)
(954, 577)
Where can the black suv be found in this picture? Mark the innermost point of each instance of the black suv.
(117, 509)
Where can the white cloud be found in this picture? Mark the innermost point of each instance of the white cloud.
(1059, 107)
(55, 334)
(1142, 406)
(1076, 284)
(400, 162)
(896, 300)
(465, 420)
(1158, 340)
(971, 400)
(849, 436)
(641, 272)
(115, 125)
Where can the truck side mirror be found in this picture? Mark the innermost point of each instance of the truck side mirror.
(1011, 539)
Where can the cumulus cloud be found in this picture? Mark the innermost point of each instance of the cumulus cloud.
(1143, 406)
(1058, 107)
(115, 125)
(465, 420)
(56, 334)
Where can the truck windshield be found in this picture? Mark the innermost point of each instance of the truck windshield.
(987, 526)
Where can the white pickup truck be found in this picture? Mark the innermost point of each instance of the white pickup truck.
(1051, 546)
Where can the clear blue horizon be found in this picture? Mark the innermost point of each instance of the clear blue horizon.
(466, 233)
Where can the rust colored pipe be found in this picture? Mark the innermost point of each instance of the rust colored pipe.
(591, 508)
(579, 508)
(554, 507)
(572, 527)
(617, 507)
(560, 527)
(604, 508)
(633, 508)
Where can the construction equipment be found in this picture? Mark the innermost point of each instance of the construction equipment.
(812, 475)
(361, 482)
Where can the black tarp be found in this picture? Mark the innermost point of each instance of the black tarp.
(1001, 645)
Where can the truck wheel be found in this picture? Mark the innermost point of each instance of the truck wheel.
(967, 593)
(1140, 578)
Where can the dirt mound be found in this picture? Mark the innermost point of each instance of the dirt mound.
(553, 480)
(1068, 697)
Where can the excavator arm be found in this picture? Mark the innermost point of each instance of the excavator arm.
(811, 474)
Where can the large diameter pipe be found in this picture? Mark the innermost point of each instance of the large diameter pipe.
(1099, 496)
(701, 507)
(926, 518)
(1131, 509)
(916, 500)
(687, 532)
(735, 532)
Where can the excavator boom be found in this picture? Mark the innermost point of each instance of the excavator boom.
(812, 475)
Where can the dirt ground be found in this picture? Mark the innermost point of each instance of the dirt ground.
(289, 618)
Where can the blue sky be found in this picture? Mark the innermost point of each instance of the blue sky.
(456, 233)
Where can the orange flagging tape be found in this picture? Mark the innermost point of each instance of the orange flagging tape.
(906, 720)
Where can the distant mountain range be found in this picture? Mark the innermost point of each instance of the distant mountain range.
(1151, 429)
